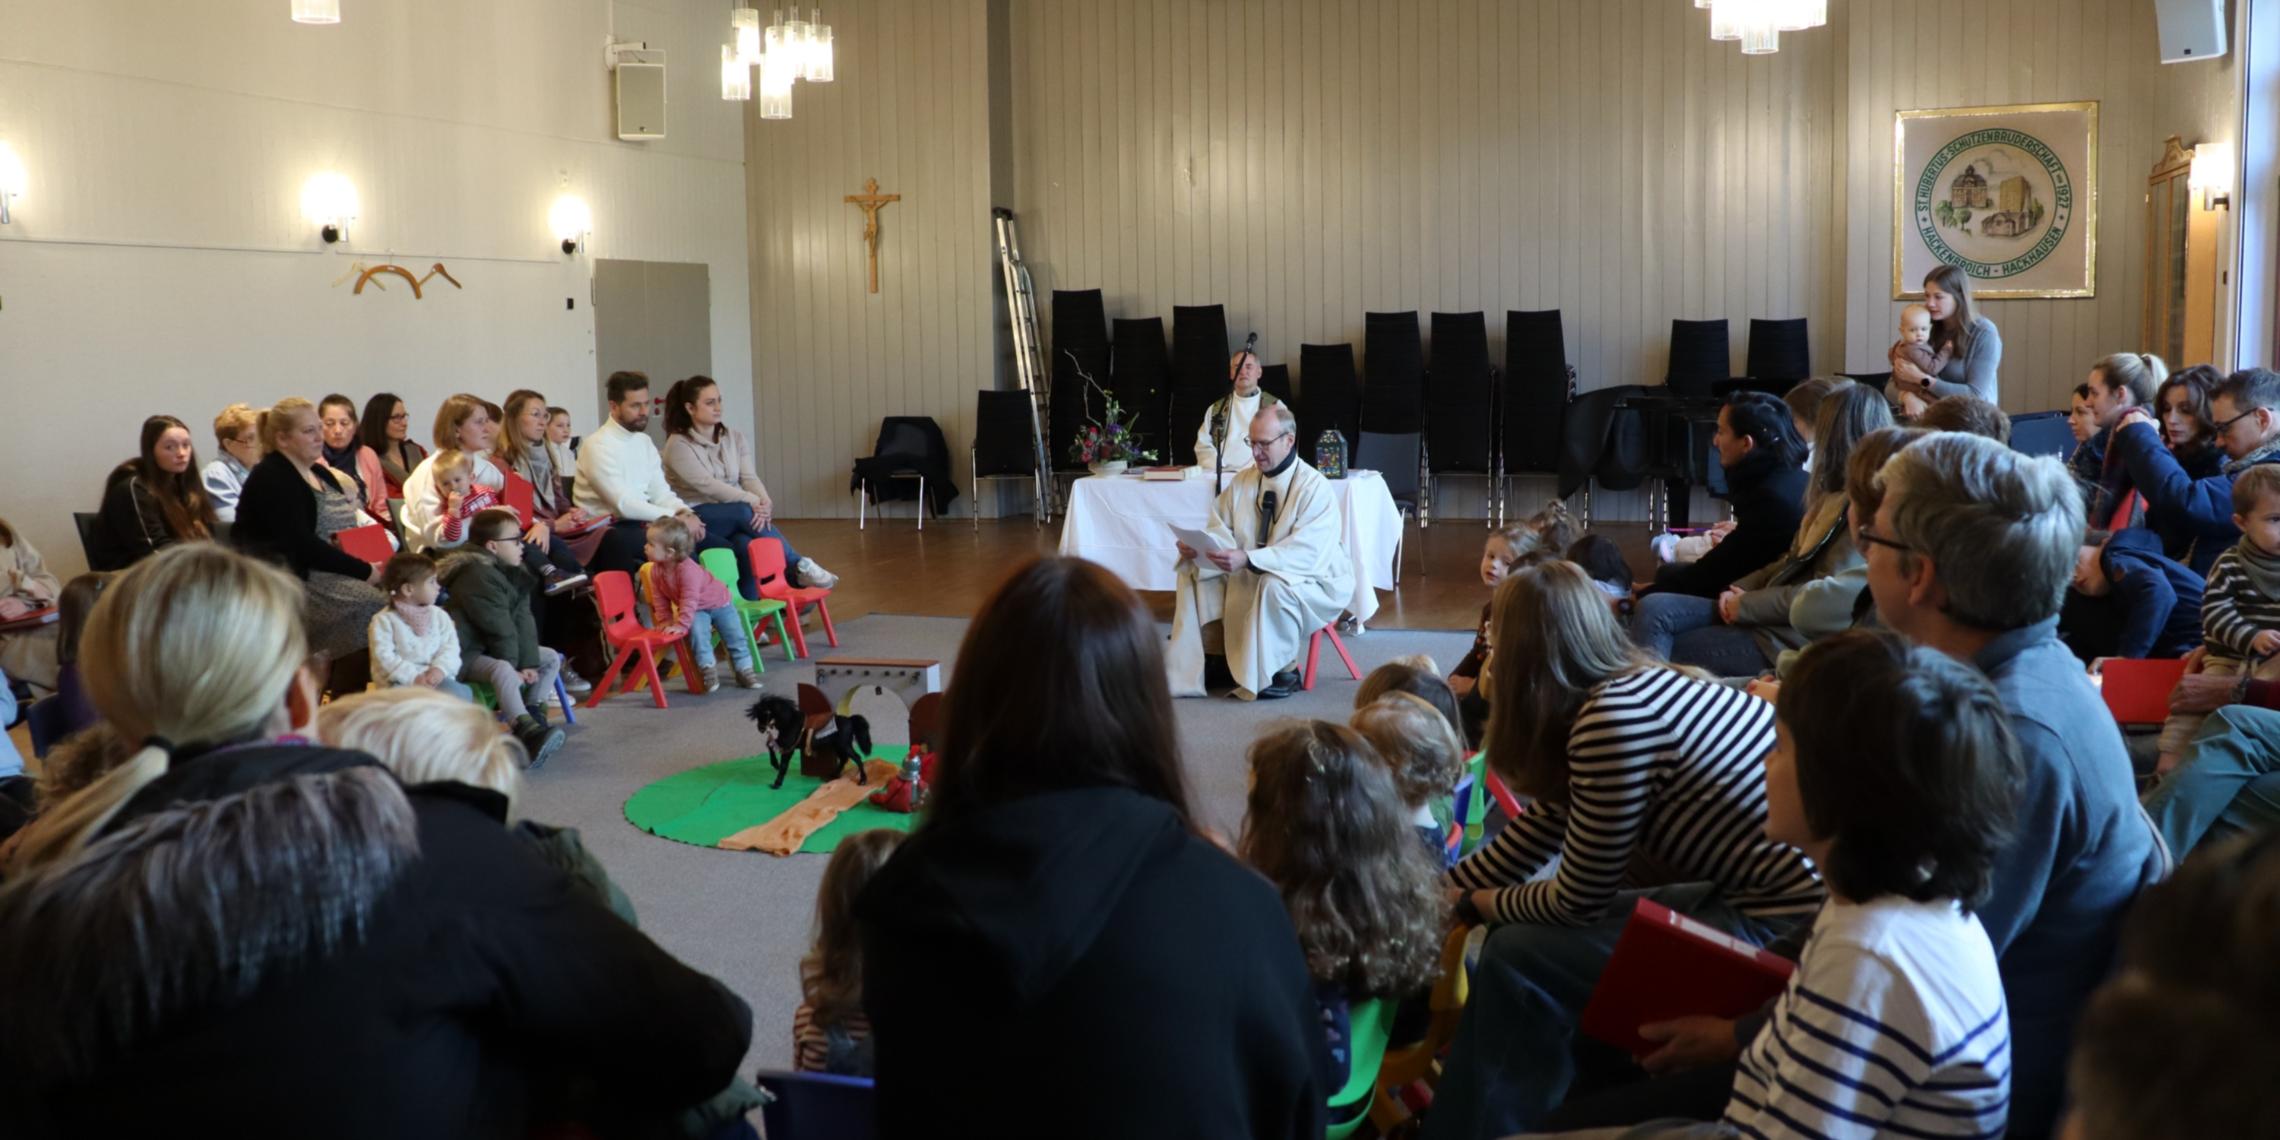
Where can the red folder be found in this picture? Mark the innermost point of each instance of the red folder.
(1667, 965)
(33, 620)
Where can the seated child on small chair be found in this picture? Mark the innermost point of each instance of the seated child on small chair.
(696, 603)
(829, 1032)
(1326, 827)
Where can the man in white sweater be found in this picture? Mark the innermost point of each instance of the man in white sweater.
(620, 474)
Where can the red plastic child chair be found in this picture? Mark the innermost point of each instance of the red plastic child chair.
(767, 556)
(1314, 652)
(631, 642)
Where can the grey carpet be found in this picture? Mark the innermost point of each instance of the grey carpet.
(744, 917)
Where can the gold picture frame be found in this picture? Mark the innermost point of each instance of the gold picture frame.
(2037, 206)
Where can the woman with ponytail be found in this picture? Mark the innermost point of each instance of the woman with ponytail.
(238, 931)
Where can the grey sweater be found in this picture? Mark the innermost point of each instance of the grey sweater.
(1973, 370)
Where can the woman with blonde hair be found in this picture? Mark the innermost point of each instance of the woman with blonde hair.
(286, 925)
(237, 432)
(1623, 756)
(293, 507)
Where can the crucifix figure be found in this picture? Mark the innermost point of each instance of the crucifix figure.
(871, 201)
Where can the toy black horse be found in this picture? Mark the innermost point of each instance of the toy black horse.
(783, 729)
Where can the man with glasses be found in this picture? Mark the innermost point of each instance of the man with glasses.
(1219, 439)
(1970, 553)
(1280, 574)
(2244, 413)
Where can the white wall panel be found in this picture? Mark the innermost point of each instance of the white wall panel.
(161, 264)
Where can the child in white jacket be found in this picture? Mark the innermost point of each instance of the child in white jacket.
(413, 642)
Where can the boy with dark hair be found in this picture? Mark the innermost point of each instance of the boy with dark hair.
(489, 601)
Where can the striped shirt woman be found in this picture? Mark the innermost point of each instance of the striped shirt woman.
(1660, 763)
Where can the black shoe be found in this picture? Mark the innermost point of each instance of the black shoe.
(558, 582)
(1216, 674)
(540, 741)
(1285, 684)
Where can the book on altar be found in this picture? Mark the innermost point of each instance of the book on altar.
(1164, 474)
(32, 620)
(1667, 965)
(1200, 541)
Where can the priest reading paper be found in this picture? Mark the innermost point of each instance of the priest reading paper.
(1280, 573)
(1219, 439)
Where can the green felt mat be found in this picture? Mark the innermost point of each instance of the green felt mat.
(703, 806)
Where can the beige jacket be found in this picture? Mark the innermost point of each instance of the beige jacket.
(718, 472)
(23, 575)
(1818, 562)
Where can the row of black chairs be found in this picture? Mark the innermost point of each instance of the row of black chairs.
(1420, 415)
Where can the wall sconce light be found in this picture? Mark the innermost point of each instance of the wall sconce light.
(316, 11)
(2212, 174)
(571, 221)
(329, 200)
(12, 180)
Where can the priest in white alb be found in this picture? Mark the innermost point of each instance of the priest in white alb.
(1219, 438)
(1283, 575)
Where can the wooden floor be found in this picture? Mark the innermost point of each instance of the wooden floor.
(949, 569)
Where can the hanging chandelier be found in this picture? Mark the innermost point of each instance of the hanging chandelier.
(787, 49)
(1757, 24)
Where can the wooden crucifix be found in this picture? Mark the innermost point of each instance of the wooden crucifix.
(870, 201)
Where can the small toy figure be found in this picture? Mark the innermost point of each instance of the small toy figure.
(905, 792)
(832, 743)
(781, 727)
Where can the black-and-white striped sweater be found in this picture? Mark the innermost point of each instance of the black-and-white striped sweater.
(1661, 762)
(2232, 611)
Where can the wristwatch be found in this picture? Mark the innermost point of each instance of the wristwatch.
(1467, 911)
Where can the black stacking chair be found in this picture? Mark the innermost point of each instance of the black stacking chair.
(1005, 447)
(1080, 341)
(1333, 395)
(1393, 373)
(1140, 375)
(1398, 456)
(1199, 371)
(91, 540)
(908, 448)
(1779, 356)
(1680, 417)
(1536, 391)
(1274, 380)
(1460, 410)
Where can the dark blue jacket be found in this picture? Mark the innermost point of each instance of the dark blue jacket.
(2191, 508)
(2081, 850)
(2160, 600)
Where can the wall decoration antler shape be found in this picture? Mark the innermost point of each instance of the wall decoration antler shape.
(398, 270)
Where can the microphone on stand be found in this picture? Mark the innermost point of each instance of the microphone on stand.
(1219, 418)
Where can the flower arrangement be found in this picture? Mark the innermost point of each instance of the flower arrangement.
(1113, 437)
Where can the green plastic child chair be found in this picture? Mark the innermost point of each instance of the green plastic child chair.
(1476, 812)
(1371, 1023)
(722, 562)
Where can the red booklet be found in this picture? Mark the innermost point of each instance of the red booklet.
(32, 620)
(1667, 965)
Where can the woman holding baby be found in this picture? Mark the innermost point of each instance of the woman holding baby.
(1961, 355)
